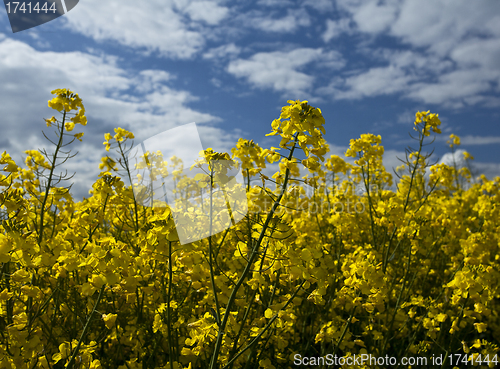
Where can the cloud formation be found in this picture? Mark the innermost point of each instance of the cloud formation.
(136, 72)
(143, 103)
(281, 71)
(451, 57)
(446, 50)
(178, 29)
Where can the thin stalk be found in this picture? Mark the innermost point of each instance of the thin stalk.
(251, 259)
(85, 329)
(420, 145)
(344, 331)
(271, 321)
(210, 251)
(127, 169)
(245, 316)
(366, 181)
(169, 312)
(49, 180)
(398, 302)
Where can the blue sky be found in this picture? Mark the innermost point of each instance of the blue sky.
(229, 66)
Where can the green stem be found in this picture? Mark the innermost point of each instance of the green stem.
(210, 248)
(49, 180)
(366, 181)
(344, 331)
(242, 324)
(271, 321)
(127, 169)
(169, 312)
(251, 259)
(414, 171)
(398, 302)
(85, 329)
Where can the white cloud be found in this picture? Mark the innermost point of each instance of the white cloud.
(438, 24)
(113, 97)
(478, 53)
(335, 28)
(279, 70)
(467, 79)
(207, 11)
(416, 62)
(441, 25)
(490, 170)
(374, 16)
(454, 158)
(453, 56)
(375, 81)
(216, 82)
(265, 21)
(479, 140)
(391, 161)
(222, 52)
(452, 88)
(152, 80)
(452, 46)
(176, 30)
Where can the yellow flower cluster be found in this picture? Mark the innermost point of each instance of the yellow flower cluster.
(251, 156)
(67, 101)
(120, 135)
(349, 266)
(428, 121)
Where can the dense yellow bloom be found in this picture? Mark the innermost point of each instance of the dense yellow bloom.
(11, 165)
(453, 141)
(109, 320)
(107, 164)
(65, 100)
(429, 121)
(251, 156)
(120, 136)
(344, 264)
